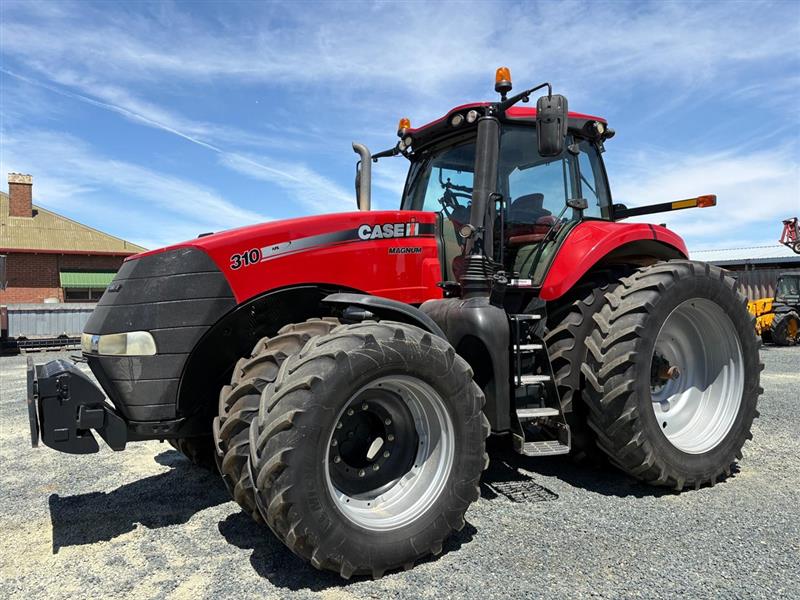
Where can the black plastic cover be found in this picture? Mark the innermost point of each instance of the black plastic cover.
(177, 296)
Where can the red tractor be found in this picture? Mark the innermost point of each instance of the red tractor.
(344, 370)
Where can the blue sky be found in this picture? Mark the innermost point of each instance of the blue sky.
(158, 121)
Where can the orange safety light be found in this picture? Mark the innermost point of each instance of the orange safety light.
(502, 74)
(706, 201)
(502, 82)
(405, 123)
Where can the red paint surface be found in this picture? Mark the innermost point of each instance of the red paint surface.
(367, 266)
(592, 240)
(362, 265)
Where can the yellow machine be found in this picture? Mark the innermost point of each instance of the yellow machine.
(761, 309)
(778, 318)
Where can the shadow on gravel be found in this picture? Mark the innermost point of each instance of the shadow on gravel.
(160, 500)
(504, 478)
(272, 560)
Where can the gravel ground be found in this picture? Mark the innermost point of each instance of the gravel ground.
(146, 523)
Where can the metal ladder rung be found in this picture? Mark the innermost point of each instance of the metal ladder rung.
(525, 317)
(546, 448)
(535, 413)
(531, 379)
(528, 347)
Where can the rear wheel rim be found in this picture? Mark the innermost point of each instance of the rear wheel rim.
(400, 425)
(697, 376)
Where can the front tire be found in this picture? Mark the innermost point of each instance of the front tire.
(368, 448)
(673, 374)
(238, 404)
(786, 328)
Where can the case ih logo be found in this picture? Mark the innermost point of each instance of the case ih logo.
(388, 230)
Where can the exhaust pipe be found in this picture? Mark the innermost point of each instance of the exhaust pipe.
(363, 176)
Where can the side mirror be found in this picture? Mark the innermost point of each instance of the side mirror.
(551, 124)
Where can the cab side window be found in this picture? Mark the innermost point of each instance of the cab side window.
(592, 183)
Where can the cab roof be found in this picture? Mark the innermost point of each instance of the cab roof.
(421, 135)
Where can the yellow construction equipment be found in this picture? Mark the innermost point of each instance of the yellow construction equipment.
(778, 318)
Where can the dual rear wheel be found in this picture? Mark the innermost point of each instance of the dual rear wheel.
(361, 448)
(672, 374)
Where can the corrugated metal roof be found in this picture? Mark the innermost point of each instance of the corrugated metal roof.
(777, 253)
(86, 279)
(49, 231)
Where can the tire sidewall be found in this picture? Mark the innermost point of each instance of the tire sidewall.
(704, 465)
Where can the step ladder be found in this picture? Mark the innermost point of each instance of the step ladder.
(540, 428)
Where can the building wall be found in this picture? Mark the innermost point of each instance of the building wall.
(759, 282)
(35, 277)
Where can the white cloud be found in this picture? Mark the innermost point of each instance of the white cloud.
(313, 190)
(427, 48)
(68, 173)
(754, 190)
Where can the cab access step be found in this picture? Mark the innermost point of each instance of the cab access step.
(540, 428)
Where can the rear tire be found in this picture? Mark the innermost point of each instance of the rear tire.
(569, 325)
(238, 404)
(681, 427)
(785, 328)
(324, 498)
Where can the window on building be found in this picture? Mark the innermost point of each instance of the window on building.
(85, 286)
(82, 294)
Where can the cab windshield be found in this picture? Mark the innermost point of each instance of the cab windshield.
(788, 286)
(534, 189)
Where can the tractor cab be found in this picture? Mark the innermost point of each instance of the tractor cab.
(787, 289)
(529, 212)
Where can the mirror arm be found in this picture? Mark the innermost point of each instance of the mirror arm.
(523, 96)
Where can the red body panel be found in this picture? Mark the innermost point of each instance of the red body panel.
(592, 240)
(327, 249)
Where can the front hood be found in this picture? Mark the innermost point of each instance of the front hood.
(388, 253)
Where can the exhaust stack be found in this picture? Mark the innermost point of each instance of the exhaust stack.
(363, 176)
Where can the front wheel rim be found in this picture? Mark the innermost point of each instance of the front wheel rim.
(697, 376)
(396, 412)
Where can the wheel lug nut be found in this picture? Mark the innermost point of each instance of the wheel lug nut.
(350, 434)
(339, 425)
(337, 459)
(350, 412)
(387, 454)
(375, 467)
(388, 421)
(361, 473)
(390, 437)
(364, 406)
(335, 443)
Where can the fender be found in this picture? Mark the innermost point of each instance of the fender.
(387, 309)
(592, 242)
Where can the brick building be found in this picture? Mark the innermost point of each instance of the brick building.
(46, 256)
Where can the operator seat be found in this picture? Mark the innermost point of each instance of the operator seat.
(528, 220)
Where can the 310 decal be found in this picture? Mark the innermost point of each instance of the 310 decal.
(246, 258)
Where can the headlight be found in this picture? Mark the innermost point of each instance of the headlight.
(132, 343)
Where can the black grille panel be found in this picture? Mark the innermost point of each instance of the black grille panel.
(177, 296)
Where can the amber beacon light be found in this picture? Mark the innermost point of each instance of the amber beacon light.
(502, 81)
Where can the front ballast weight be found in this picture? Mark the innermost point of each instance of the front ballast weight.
(64, 406)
